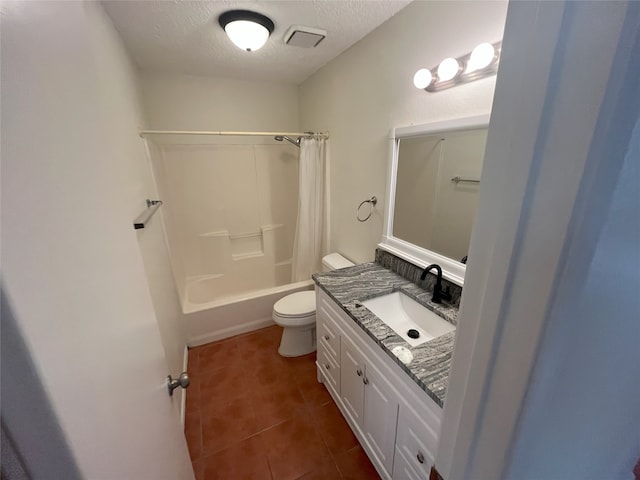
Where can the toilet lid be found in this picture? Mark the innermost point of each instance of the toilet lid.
(297, 304)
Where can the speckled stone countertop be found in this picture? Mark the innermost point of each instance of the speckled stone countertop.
(431, 360)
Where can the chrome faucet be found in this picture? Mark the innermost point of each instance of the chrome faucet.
(438, 294)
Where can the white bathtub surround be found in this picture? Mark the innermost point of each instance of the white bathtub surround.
(230, 209)
(218, 319)
(310, 226)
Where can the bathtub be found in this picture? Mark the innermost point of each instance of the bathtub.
(208, 318)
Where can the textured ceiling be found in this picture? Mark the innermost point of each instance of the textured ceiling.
(184, 36)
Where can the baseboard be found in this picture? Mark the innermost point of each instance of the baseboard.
(183, 402)
(231, 331)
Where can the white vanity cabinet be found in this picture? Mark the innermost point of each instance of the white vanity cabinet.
(370, 401)
(396, 423)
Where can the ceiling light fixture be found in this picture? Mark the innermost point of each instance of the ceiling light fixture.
(481, 62)
(247, 30)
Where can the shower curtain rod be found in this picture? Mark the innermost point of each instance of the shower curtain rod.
(143, 133)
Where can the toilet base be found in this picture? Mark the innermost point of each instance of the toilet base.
(296, 342)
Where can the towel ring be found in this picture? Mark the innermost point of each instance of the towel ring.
(372, 203)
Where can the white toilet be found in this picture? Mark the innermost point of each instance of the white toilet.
(296, 313)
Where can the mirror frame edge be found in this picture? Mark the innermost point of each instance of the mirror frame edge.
(451, 270)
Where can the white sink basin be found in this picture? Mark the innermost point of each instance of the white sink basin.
(402, 313)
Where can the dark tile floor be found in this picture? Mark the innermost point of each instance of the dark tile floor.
(252, 414)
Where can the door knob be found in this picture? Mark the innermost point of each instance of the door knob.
(173, 383)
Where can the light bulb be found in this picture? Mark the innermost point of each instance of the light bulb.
(247, 35)
(448, 69)
(481, 57)
(422, 79)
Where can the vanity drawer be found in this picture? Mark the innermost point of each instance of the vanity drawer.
(416, 441)
(330, 370)
(329, 338)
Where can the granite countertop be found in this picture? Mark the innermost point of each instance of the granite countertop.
(431, 360)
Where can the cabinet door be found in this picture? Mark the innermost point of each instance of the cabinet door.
(417, 440)
(351, 376)
(402, 469)
(380, 416)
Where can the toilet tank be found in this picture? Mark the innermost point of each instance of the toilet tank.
(333, 261)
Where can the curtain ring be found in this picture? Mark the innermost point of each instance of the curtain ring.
(372, 203)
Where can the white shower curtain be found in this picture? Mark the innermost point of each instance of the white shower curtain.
(310, 227)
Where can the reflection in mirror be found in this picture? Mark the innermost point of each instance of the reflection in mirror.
(437, 190)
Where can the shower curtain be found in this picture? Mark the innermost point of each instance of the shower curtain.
(310, 226)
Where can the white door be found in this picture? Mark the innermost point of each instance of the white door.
(71, 266)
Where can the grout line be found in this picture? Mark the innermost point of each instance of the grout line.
(306, 406)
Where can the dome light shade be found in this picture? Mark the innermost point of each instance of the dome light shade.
(481, 57)
(448, 69)
(247, 30)
(422, 78)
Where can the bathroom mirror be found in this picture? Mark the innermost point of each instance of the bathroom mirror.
(432, 192)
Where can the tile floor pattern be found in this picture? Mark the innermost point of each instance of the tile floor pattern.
(252, 414)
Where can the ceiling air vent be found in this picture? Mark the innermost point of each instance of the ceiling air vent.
(306, 37)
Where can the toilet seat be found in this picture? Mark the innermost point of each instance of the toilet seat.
(296, 305)
(303, 321)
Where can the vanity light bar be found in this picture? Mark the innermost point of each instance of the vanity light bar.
(480, 63)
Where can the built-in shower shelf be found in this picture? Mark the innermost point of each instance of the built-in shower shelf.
(226, 247)
(274, 226)
(199, 278)
(236, 257)
(245, 235)
(219, 233)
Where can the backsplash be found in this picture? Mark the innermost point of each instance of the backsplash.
(412, 273)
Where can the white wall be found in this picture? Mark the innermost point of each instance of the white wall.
(581, 411)
(120, 102)
(582, 404)
(369, 88)
(185, 102)
(72, 267)
(544, 380)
